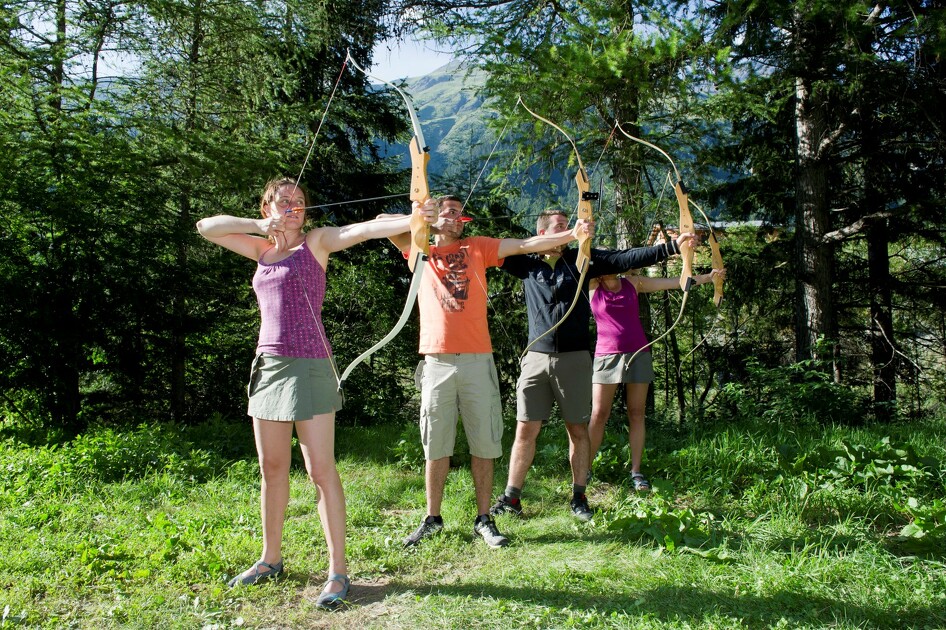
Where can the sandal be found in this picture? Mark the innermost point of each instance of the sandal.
(330, 601)
(640, 482)
(273, 571)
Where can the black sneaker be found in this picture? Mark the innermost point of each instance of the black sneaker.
(580, 508)
(506, 505)
(428, 528)
(490, 533)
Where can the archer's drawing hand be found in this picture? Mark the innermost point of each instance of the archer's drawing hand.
(274, 225)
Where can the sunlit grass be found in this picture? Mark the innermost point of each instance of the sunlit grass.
(95, 534)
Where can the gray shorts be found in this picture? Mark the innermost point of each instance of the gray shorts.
(287, 389)
(559, 377)
(459, 386)
(611, 369)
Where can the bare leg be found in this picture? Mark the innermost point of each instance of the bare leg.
(523, 452)
(601, 401)
(273, 447)
(317, 438)
(435, 479)
(482, 470)
(636, 403)
(578, 444)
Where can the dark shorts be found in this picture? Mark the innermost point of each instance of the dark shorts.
(558, 377)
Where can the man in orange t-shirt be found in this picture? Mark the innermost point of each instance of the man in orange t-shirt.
(457, 377)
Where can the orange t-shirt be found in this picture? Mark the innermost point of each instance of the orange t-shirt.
(452, 297)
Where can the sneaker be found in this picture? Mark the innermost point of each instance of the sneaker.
(639, 482)
(428, 528)
(506, 505)
(580, 508)
(490, 533)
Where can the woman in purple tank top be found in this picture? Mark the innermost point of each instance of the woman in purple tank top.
(621, 337)
(293, 381)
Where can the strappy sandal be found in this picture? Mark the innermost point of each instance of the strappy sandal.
(330, 601)
(640, 482)
(257, 576)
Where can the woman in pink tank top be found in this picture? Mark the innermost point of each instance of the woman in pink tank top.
(620, 338)
(294, 382)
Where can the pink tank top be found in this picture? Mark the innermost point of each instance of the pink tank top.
(290, 295)
(618, 318)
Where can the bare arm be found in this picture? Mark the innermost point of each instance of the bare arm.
(325, 241)
(403, 240)
(335, 239)
(543, 242)
(645, 284)
(236, 233)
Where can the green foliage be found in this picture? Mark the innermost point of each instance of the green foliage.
(796, 393)
(668, 526)
(870, 467)
(87, 546)
(926, 531)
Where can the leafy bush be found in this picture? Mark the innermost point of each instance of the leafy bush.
(926, 531)
(666, 525)
(800, 392)
(849, 464)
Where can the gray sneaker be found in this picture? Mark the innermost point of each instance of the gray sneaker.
(428, 528)
(490, 533)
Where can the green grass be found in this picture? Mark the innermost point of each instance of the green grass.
(749, 526)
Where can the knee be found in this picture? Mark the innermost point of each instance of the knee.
(274, 469)
(323, 474)
(577, 433)
(528, 431)
(635, 418)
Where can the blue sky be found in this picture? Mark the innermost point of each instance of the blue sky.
(399, 60)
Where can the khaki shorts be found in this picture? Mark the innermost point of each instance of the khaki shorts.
(459, 386)
(291, 388)
(559, 377)
(611, 369)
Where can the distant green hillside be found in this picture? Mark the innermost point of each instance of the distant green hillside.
(453, 118)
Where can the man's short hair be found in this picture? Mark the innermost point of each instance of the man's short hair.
(545, 218)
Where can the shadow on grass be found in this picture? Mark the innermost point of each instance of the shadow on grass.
(692, 605)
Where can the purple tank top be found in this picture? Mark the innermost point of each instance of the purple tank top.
(618, 318)
(290, 295)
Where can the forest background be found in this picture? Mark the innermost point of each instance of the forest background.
(822, 120)
(801, 420)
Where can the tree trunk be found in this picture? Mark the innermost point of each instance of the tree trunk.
(814, 308)
(883, 354)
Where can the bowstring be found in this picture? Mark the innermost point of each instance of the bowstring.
(318, 325)
(483, 282)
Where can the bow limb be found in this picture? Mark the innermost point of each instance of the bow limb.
(420, 189)
(683, 202)
(685, 226)
(419, 228)
(716, 258)
(583, 260)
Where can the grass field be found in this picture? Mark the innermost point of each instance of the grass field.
(756, 526)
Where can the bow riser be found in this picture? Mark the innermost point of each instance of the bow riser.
(420, 192)
(686, 227)
(717, 262)
(585, 211)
